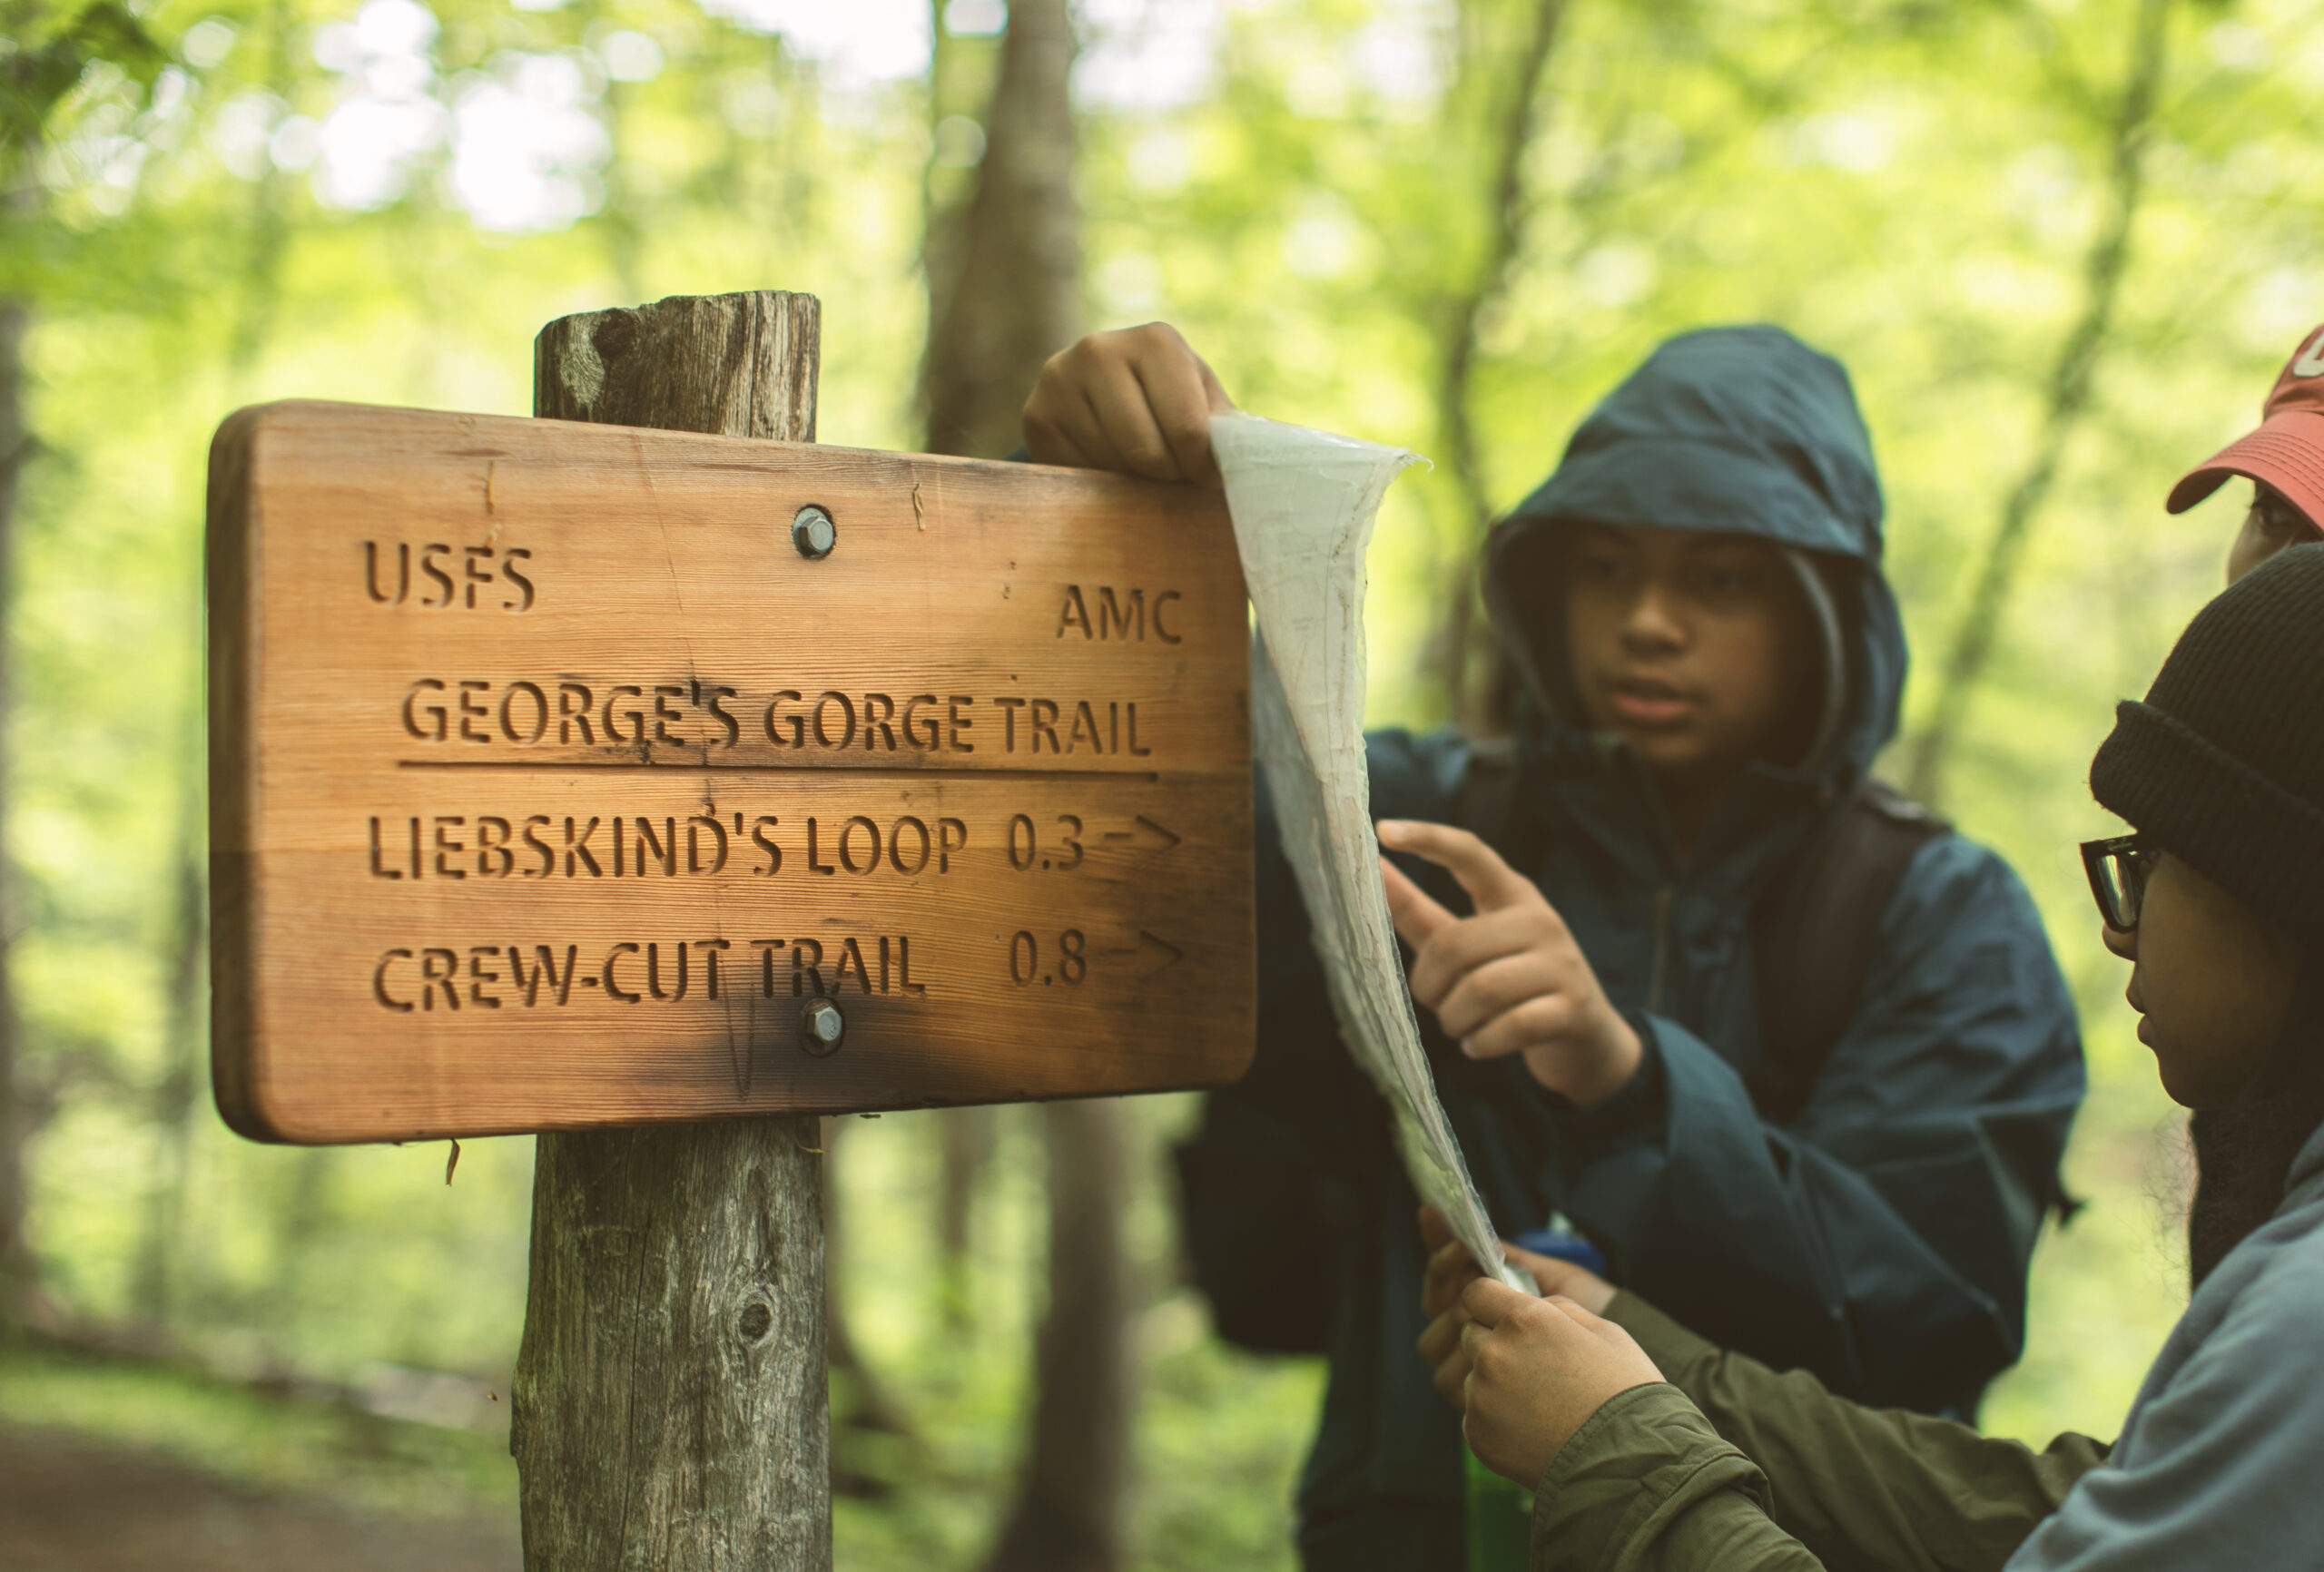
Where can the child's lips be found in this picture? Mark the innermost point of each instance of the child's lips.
(1649, 703)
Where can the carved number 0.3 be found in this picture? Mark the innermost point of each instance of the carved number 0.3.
(1025, 958)
(1024, 850)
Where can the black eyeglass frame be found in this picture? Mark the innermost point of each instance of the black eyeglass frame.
(2118, 900)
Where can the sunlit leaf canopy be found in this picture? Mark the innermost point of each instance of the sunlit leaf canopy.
(384, 201)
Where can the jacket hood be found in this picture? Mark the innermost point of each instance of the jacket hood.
(1742, 430)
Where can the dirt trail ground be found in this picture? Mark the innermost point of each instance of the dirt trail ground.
(67, 1506)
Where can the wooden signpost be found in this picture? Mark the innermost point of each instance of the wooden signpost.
(571, 775)
(592, 779)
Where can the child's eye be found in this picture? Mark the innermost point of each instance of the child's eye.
(2283, 521)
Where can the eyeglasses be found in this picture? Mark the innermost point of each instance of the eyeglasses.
(2119, 867)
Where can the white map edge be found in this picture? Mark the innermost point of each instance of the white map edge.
(1304, 503)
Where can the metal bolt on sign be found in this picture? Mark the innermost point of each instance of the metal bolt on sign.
(813, 533)
(820, 1028)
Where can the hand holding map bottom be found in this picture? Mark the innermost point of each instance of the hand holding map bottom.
(1303, 503)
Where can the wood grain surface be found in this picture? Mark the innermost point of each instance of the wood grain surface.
(552, 785)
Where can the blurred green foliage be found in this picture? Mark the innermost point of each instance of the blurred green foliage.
(384, 204)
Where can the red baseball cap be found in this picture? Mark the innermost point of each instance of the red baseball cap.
(2287, 452)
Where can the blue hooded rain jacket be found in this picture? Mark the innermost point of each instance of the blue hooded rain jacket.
(1880, 1237)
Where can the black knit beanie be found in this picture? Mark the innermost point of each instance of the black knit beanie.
(2224, 764)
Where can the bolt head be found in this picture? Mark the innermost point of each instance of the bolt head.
(820, 1028)
(813, 533)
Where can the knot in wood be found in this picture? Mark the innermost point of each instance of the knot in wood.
(757, 1321)
(614, 334)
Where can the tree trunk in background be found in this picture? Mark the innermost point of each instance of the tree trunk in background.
(965, 1142)
(964, 1136)
(1459, 652)
(18, 1274)
(178, 1093)
(301, 1222)
(1014, 301)
(617, 220)
(1017, 298)
(270, 223)
(860, 1400)
(670, 1403)
(2068, 402)
(1068, 1516)
(33, 77)
(177, 1098)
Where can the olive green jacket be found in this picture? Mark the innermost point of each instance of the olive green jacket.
(1734, 1467)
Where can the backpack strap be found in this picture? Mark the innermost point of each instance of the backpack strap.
(1814, 933)
(1489, 798)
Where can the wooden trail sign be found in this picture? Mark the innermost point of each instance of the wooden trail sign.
(567, 775)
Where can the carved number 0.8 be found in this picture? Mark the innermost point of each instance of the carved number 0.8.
(1025, 957)
(1024, 850)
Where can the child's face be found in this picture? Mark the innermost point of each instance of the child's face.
(1690, 646)
(2271, 525)
(2211, 983)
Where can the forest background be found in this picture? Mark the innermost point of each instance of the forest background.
(2063, 245)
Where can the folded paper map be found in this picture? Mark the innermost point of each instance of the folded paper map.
(1303, 503)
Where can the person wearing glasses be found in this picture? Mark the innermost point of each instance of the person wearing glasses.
(1647, 1447)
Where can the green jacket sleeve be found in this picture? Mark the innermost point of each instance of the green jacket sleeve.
(1646, 1485)
(1860, 1486)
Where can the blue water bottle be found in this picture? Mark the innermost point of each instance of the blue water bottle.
(1501, 1511)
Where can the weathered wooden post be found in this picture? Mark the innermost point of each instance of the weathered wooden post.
(670, 1402)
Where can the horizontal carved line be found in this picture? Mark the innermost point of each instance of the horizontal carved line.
(537, 765)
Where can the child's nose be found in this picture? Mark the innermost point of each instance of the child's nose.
(1654, 618)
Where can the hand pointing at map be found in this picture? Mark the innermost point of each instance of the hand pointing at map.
(1510, 980)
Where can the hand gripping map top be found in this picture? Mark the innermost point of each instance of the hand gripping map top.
(1303, 503)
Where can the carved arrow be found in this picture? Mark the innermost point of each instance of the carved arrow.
(1157, 955)
(1148, 839)
(1153, 954)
